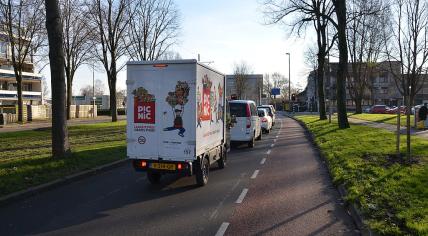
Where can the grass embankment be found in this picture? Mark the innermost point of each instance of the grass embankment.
(25, 156)
(392, 196)
(384, 118)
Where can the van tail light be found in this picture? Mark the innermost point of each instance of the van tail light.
(264, 119)
(248, 110)
(248, 122)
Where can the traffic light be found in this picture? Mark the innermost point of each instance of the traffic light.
(293, 97)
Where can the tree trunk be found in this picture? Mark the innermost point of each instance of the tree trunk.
(69, 93)
(113, 105)
(20, 100)
(358, 105)
(320, 78)
(60, 143)
(342, 116)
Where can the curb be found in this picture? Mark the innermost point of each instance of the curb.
(59, 182)
(353, 209)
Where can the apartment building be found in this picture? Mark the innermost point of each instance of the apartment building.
(382, 89)
(32, 86)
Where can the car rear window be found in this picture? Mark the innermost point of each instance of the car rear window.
(266, 107)
(238, 109)
(261, 113)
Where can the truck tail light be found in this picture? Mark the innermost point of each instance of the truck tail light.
(143, 164)
(179, 166)
(248, 110)
(248, 122)
(264, 119)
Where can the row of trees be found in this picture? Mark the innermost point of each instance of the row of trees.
(362, 32)
(96, 32)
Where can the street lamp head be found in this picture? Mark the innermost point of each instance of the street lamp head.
(287, 53)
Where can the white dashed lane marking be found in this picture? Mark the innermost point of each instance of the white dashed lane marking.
(222, 229)
(256, 172)
(263, 161)
(242, 196)
(269, 151)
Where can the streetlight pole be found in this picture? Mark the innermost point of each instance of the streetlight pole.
(289, 79)
(93, 92)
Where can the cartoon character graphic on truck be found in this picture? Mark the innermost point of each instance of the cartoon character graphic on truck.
(177, 100)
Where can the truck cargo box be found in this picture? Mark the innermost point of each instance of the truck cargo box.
(175, 110)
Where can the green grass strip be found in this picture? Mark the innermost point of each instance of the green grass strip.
(26, 161)
(393, 196)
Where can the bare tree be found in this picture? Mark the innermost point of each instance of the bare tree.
(303, 13)
(90, 91)
(22, 20)
(60, 144)
(153, 29)
(367, 18)
(77, 44)
(111, 19)
(240, 73)
(342, 72)
(408, 44)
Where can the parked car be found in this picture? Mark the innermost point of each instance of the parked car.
(379, 109)
(248, 126)
(367, 110)
(265, 119)
(271, 111)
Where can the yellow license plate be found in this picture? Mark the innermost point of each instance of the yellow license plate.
(162, 166)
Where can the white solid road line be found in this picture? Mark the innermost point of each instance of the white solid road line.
(263, 161)
(268, 152)
(242, 196)
(222, 229)
(256, 172)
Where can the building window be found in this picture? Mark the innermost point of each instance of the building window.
(27, 87)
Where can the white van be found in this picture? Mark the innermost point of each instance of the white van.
(247, 127)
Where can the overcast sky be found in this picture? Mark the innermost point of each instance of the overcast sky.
(227, 32)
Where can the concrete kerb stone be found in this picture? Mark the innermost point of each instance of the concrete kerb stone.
(353, 208)
(59, 182)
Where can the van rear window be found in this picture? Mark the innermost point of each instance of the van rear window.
(238, 109)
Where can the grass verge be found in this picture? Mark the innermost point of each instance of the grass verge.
(384, 118)
(392, 195)
(25, 156)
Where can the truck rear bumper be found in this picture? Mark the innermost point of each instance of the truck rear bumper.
(143, 165)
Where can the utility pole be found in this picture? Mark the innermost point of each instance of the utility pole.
(289, 78)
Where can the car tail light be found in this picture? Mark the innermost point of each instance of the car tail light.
(143, 164)
(248, 123)
(248, 110)
(264, 119)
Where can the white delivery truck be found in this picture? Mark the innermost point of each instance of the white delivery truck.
(176, 118)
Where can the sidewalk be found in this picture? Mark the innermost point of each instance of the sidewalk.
(293, 193)
(393, 128)
(47, 123)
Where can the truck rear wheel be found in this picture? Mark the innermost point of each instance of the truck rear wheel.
(202, 172)
(222, 161)
(153, 177)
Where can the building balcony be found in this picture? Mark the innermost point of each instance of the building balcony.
(27, 95)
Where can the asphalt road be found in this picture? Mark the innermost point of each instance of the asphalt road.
(290, 194)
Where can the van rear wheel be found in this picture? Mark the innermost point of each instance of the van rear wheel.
(153, 177)
(202, 172)
(251, 143)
